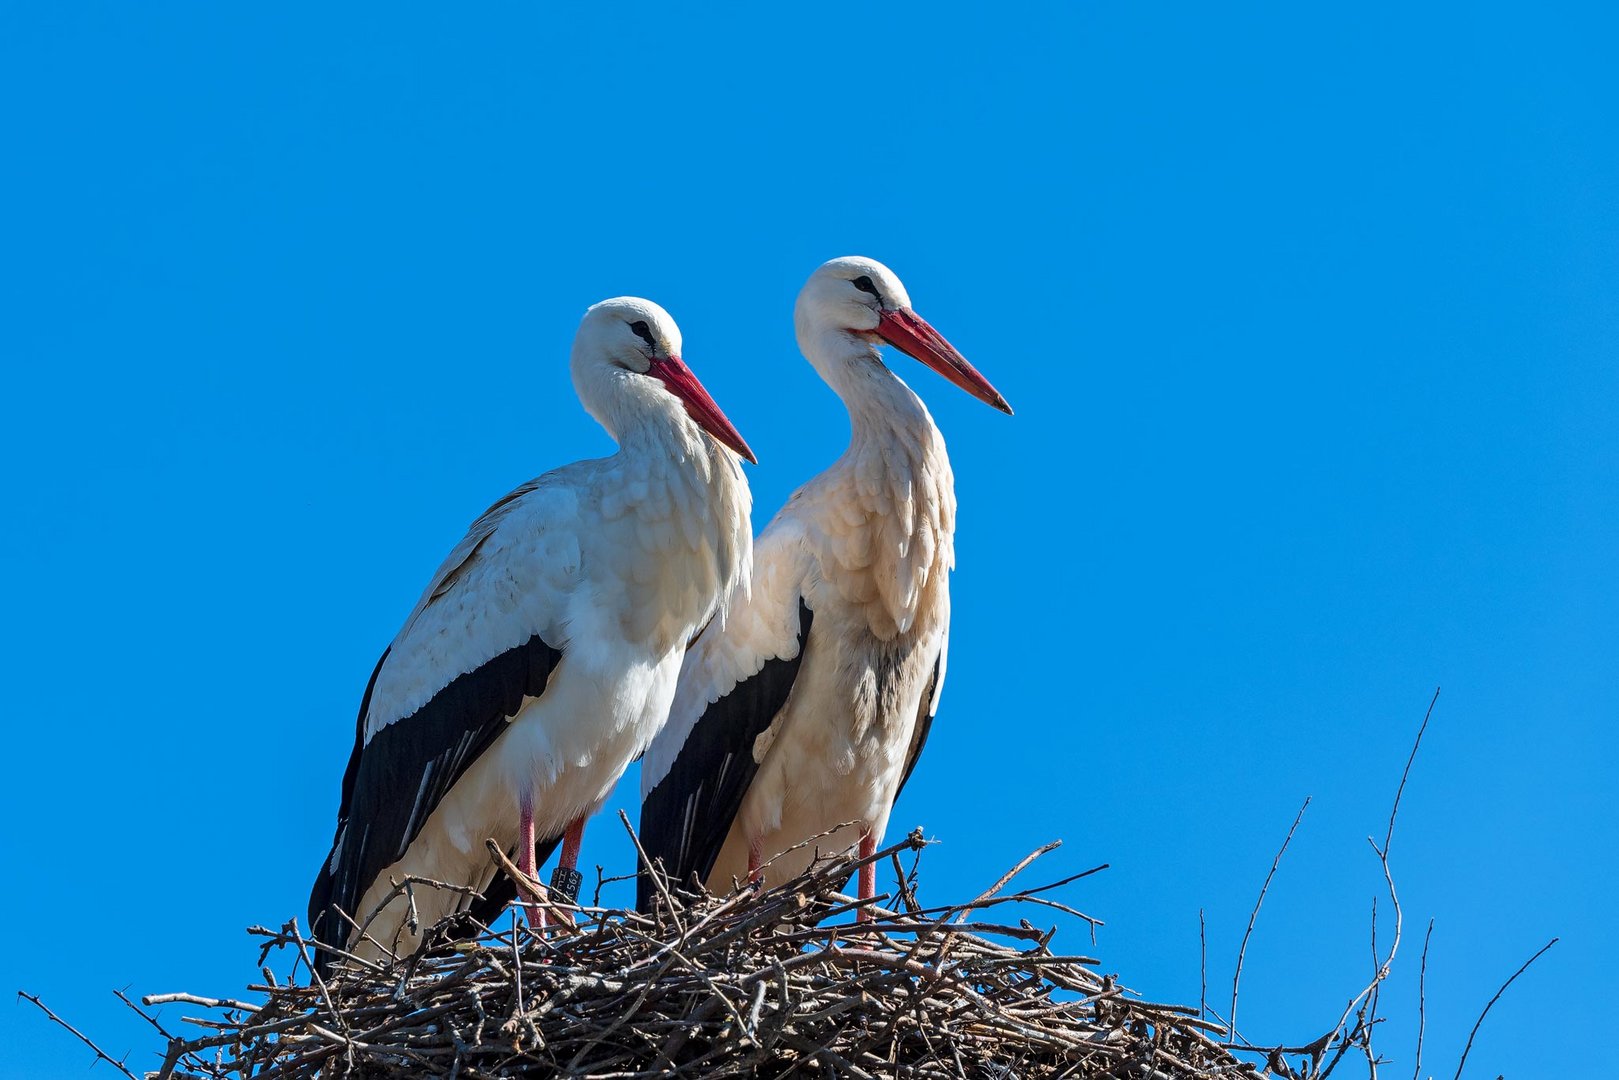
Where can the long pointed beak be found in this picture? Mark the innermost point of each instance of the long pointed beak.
(910, 334)
(699, 406)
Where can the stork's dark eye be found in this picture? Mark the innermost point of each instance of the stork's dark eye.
(643, 331)
(863, 283)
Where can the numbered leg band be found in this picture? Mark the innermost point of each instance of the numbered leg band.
(565, 885)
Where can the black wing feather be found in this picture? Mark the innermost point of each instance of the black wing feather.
(394, 781)
(924, 724)
(686, 817)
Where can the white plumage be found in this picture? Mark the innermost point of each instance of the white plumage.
(807, 708)
(543, 655)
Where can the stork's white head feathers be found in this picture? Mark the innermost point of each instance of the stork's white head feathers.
(627, 367)
(858, 301)
(625, 332)
(830, 299)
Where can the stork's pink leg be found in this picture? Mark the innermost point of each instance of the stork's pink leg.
(565, 878)
(868, 873)
(525, 862)
(572, 837)
(756, 859)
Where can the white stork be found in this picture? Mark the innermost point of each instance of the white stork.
(806, 708)
(543, 655)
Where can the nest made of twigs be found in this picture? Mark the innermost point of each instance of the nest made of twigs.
(755, 983)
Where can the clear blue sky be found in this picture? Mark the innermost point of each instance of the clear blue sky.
(1310, 319)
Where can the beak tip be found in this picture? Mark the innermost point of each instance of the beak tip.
(910, 334)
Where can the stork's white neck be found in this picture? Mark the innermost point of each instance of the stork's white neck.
(667, 434)
(890, 499)
(672, 523)
(881, 407)
(638, 413)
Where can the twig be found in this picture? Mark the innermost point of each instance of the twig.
(1253, 916)
(1479, 1022)
(1388, 837)
(1005, 878)
(1422, 1001)
(1203, 965)
(101, 1055)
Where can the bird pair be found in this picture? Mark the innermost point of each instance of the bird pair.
(778, 688)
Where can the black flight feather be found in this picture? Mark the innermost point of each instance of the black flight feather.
(686, 817)
(395, 780)
(924, 724)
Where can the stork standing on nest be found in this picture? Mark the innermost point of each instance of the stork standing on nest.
(543, 655)
(807, 707)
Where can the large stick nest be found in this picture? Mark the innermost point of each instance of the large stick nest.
(769, 983)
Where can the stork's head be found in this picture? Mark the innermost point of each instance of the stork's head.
(627, 351)
(860, 296)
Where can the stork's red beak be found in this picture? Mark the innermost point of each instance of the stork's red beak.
(699, 406)
(910, 334)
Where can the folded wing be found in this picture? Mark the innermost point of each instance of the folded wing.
(485, 638)
(737, 677)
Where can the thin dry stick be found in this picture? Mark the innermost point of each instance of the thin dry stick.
(1422, 1001)
(517, 971)
(150, 1019)
(1203, 966)
(1480, 1021)
(1023, 864)
(101, 1055)
(659, 879)
(1388, 837)
(1253, 916)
